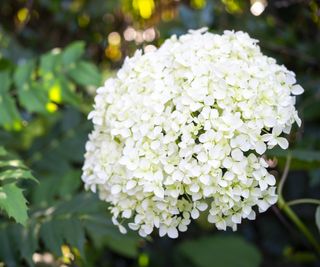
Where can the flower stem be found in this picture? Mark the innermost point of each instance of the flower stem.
(284, 206)
(303, 201)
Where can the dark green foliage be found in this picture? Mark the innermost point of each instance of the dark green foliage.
(223, 251)
(51, 63)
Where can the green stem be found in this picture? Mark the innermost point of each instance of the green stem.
(283, 205)
(303, 201)
(299, 224)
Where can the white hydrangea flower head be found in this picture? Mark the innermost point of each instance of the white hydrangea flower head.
(181, 130)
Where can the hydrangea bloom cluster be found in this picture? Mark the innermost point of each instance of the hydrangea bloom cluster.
(181, 130)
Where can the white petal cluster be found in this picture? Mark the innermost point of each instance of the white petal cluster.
(181, 130)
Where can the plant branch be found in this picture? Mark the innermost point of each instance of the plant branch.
(283, 205)
(284, 175)
(303, 201)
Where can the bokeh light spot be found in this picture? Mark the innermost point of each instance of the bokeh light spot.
(114, 38)
(257, 8)
(23, 15)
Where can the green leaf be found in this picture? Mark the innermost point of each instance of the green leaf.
(6, 251)
(33, 97)
(221, 251)
(5, 81)
(23, 73)
(124, 245)
(85, 73)
(73, 233)
(301, 159)
(68, 93)
(13, 203)
(17, 174)
(3, 152)
(73, 52)
(48, 63)
(318, 217)
(57, 232)
(12, 163)
(104, 232)
(25, 235)
(51, 236)
(9, 114)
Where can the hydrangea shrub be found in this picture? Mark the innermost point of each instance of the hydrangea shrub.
(181, 130)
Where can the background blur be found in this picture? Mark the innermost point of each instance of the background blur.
(53, 56)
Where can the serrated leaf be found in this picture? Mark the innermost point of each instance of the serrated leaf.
(16, 174)
(72, 52)
(12, 163)
(222, 250)
(85, 73)
(5, 81)
(13, 202)
(318, 217)
(26, 235)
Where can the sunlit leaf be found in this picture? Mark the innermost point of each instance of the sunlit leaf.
(12, 163)
(72, 53)
(16, 174)
(48, 64)
(33, 97)
(13, 203)
(85, 73)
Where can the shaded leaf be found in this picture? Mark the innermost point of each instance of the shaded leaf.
(50, 234)
(3, 152)
(301, 159)
(318, 217)
(103, 232)
(221, 251)
(5, 81)
(8, 111)
(73, 233)
(21, 236)
(6, 252)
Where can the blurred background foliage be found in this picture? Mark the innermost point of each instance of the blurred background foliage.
(53, 56)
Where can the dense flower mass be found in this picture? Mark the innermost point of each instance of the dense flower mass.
(181, 130)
